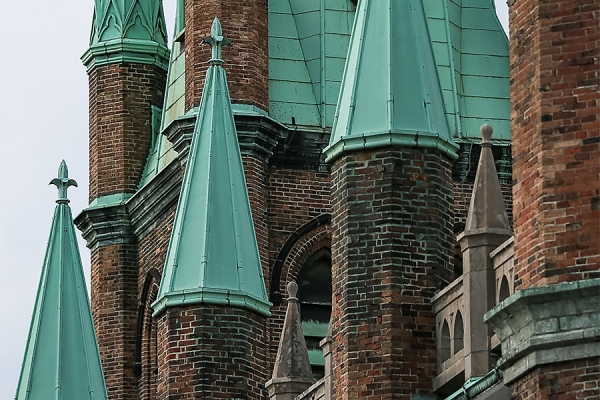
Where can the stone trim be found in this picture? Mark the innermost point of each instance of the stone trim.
(546, 325)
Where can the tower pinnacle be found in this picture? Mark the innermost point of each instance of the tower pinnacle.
(63, 182)
(216, 42)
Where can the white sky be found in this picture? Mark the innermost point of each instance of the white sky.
(43, 119)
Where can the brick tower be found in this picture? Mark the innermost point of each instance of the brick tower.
(550, 346)
(392, 152)
(212, 302)
(127, 62)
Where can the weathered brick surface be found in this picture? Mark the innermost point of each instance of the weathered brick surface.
(247, 61)
(152, 254)
(554, 53)
(121, 96)
(392, 230)
(563, 381)
(207, 351)
(294, 198)
(114, 309)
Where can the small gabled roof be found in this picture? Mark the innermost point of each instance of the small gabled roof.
(213, 254)
(390, 92)
(62, 360)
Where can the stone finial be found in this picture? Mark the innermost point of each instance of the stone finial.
(216, 42)
(292, 373)
(63, 182)
(487, 210)
(486, 134)
(292, 289)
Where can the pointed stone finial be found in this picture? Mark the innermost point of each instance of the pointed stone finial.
(486, 134)
(63, 182)
(216, 41)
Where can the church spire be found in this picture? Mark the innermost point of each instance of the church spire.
(390, 92)
(128, 31)
(61, 357)
(213, 254)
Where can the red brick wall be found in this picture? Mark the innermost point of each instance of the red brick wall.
(554, 53)
(392, 232)
(294, 198)
(211, 352)
(246, 62)
(120, 130)
(114, 309)
(567, 380)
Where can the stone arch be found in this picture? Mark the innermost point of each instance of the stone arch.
(444, 348)
(459, 332)
(504, 290)
(145, 355)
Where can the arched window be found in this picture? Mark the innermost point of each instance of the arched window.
(458, 332)
(504, 291)
(314, 295)
(444, 349)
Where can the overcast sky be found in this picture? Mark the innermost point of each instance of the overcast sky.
(43, 119)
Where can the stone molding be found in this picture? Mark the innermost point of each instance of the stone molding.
(131, 219)
(546, 325)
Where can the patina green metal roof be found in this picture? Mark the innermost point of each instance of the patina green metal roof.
(128, 31)
(390, 93)
(61, 357)
(213, 254)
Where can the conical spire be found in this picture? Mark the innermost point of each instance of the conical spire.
(128, 31)
(213, 254)
(390, 92)
(487, 208)
(61, 358)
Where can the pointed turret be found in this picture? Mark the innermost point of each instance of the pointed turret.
(213, 255)
(128, 31)
(61, 357)
(390, 94)
(292, 373)
(212, 301)
(487, 227)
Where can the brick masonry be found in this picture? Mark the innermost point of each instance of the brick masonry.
(247, 61)
(568, 380)
(114, 309)
(392, 219)
(120, 100)
(207, 351)
(554, 53)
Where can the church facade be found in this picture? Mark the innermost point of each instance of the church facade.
(338, 199)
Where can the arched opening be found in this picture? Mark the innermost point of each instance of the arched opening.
(504, 291)
(458, 333)
(146, 349)
(314, 296)
(444, 349)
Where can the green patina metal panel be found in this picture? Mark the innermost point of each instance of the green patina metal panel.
(213, 254)
(61, 359)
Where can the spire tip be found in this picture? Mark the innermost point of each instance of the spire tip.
(63, 182)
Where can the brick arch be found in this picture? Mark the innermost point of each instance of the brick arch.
(297, 245)
(145, 339)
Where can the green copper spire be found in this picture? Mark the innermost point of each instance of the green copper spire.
(390, 92)
(128, 31)
(213, 254)
(61, 357)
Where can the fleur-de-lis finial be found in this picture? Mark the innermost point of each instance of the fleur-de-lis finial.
(216, 41)
(63, 182)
